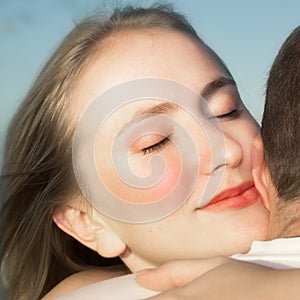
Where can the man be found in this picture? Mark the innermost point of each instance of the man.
(278, 180)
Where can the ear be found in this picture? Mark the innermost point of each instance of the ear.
(260, 172)
(94, 235)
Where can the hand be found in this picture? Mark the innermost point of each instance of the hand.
(177, 273)
(235, 280)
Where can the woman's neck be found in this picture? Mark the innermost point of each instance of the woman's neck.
(134, 262)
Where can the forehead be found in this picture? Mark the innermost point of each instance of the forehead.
(133, 54)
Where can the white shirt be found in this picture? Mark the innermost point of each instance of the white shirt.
(278, 254)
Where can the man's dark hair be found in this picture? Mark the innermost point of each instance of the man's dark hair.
(281, 121)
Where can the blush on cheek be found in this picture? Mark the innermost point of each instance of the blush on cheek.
(163, 188)
(127, 192)
(168, 183)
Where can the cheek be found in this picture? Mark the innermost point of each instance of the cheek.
(250, 125)
(171, 178)
(165, 183)
(170, 170)
(249, 130)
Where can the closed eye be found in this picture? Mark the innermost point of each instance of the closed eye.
(156, 146)
(234, 114)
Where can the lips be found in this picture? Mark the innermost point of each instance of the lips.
(238, 197)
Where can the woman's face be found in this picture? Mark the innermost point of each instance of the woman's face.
(237, 216)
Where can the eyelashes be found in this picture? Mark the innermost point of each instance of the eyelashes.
(157, 146)
(233, 114)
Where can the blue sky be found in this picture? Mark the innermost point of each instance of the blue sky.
(246, 34)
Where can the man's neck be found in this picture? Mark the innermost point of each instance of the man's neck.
(288, 216)
(292, 230)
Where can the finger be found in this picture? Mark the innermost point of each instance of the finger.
(176, 273)
(168, 276)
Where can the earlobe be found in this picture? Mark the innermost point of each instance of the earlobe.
(109, 244)
(259, 171)
(94, 235)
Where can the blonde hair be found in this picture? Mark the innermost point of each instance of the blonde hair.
(38, 175)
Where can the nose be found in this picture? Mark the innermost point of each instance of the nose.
(224, 152)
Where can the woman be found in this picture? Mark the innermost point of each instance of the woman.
(45, 205)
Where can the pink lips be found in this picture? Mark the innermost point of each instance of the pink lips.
(240, 196)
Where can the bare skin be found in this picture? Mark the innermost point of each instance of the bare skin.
(84, 278)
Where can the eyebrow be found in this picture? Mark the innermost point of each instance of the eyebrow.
(162, 108)
(213, 86)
